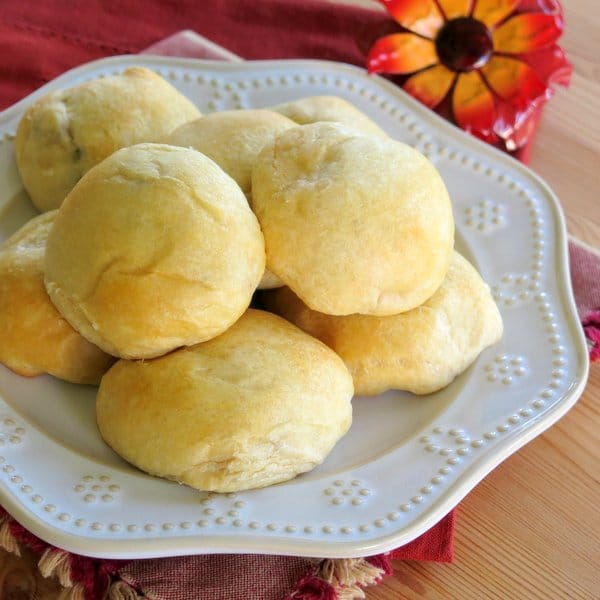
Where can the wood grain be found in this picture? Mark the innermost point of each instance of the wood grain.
(531, 529)
(566, 152)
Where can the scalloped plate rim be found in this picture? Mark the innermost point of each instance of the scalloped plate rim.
(473, 474)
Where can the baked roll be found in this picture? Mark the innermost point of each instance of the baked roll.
(255, 406)
(234, 139)
(155, 248)
(328, 108)
(421, 350)
(34, 337)
(352, 223)
(65, 133)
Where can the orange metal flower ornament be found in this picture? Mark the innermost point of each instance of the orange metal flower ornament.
(488, 65)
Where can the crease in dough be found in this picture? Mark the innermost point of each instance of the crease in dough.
(421, 350)
(255, 406)
(352, 223)
(154, 248)
(64, 133)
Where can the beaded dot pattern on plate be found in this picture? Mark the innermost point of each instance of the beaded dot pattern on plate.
(506, 368)
(347, 493)
(11, 433)
(487, 216)
(97, 489)
(515, 289)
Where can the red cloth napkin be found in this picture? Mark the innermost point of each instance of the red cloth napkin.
(39, 39)
(42, 43)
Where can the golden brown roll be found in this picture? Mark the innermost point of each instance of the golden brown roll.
(421, 350)
(328, 108)
(65, 133)
(232, 138)
(257, 405)
(155, 248)
(352, 223)
(34, 337)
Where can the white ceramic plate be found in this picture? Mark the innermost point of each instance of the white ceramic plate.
(407, 460)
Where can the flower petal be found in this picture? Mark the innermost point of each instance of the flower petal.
(420, 16)
(513, 80)
(431, 85)
(401, 53)
(492, 12)
(550, 64)
(520, 95)
(545, 6)
(514, 127)
(527, 32)
(455, 8)
(473, 105)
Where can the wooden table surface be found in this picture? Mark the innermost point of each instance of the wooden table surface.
(531, 529)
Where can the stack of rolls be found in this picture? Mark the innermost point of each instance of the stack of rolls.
(161, 225)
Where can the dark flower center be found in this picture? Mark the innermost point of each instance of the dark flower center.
(464, 44)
